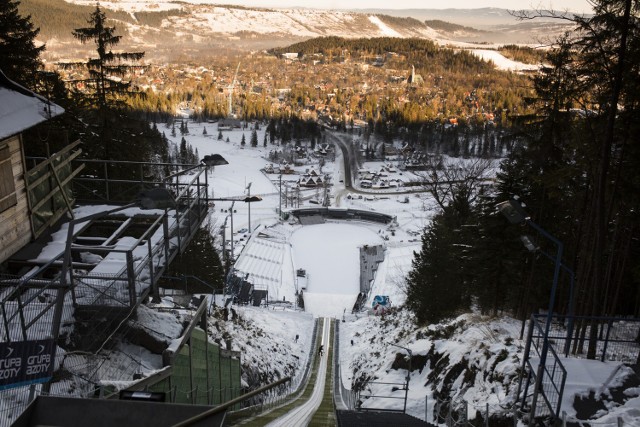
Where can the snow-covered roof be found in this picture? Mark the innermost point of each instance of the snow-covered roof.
(21, 109)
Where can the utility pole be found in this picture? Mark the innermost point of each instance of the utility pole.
(249, 196)
(232, 253)
(286, 195)
(280, 198)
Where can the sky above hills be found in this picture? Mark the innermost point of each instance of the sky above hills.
(582, 6)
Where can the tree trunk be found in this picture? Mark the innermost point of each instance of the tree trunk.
(597, 249)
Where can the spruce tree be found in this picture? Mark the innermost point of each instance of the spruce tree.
(435, 292)
(107, 91)
(184, 154)
(243, 142)
(20, 56)
(254, 138)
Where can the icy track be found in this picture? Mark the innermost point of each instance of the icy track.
(301, 415)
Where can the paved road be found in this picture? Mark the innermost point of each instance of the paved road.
(301, 415)
(343, 142)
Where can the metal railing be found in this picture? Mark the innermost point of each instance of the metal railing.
(615, 339)
(458, 412)
(117, 181)
(34, 305)
(553, 373)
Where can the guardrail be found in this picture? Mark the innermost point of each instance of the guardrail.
(612, 338)
(553, 373)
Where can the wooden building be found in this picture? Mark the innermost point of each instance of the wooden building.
(20, 109)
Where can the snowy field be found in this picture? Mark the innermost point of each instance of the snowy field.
(501, 62)
(329, 254)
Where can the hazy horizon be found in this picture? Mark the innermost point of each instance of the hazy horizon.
(579, 6)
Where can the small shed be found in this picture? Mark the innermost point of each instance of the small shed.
(20, 109)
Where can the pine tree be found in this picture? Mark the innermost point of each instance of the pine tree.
(219, 135)
(107, 90)
(204, 130)
(254, 138)
(243, 142)
(435, 293)
(183, 151)
(20, 56)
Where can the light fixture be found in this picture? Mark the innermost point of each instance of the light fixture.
(214, 160)
(527, 241)
(513, 211)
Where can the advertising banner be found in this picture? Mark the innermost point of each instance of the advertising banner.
(26, 362)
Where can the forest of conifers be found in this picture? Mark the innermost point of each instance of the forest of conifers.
(577, 174)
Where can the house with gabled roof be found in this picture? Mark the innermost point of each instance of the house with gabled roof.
(310, 181)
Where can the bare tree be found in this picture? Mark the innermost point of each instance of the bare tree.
(451, 181)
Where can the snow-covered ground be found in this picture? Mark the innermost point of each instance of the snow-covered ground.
(472, 359)
(501, 62)
(332, 284)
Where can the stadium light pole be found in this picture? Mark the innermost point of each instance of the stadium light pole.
(211, 161)
(233, 200)
(532, 247)
(515, 214)
(280, 198)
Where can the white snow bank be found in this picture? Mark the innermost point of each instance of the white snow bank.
(501, 62)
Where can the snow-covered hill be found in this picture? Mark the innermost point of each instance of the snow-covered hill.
(197, 24)
(470, 364)
(202, 18)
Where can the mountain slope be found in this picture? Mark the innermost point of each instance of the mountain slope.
(203, 18)
(197, 28)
